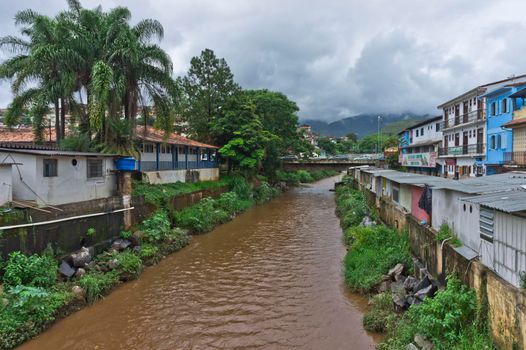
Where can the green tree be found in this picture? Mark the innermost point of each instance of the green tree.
(206, 88)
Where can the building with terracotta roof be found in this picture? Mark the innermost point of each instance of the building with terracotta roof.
(167, 158)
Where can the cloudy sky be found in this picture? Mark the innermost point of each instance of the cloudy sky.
(336, 58)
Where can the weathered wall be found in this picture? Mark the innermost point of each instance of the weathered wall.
(6, 184)
(70, 235)
(506, 303)
(391, 214)
(416, 194)
(172, 176)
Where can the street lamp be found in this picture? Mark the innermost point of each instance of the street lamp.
(378, 136)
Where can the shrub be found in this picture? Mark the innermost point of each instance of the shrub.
(34, 270)
(304, 176)
(178, 238)
(129, 264)
(201, 217)
(265, 192)
(126, 234)
(155, 228)
(241, 187)
(447, 320)
(97, 284)
(350, 206)
(373, 252)
(148, 252)
(444, 232)
(380, 313)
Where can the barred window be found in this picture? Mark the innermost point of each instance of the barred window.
(486, 224)
(94, 168)
(50, 168)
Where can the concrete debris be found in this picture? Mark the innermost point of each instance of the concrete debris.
(411, 346)
(120, 244)
(422, 342)
(80, 271)
(410, 283)
(78, 292)
(66, 270)
(81, 258)
(429, 291)
(395, 271)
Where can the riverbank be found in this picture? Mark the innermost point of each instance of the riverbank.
(378, 264)
(36, 294)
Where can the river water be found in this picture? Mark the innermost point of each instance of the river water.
(270, 279)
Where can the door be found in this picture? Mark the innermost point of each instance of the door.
(465, 143)
(480, 140)
(465, 113)
(457, 139)
(457, 114)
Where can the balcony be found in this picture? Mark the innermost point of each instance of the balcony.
(463, 150)
(479, 114)
(515, 158)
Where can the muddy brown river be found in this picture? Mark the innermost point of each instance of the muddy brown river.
(270, 279)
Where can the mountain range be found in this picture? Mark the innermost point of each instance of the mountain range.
(365, 124)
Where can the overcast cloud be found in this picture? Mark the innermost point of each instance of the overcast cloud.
(336, 58)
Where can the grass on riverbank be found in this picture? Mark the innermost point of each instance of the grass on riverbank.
(294, 178)
(450, 320)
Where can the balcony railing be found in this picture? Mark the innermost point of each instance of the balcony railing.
(515, 158)
(478, 148)
(479, 114)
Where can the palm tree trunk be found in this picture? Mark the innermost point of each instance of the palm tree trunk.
(57, 120)
(62, 118)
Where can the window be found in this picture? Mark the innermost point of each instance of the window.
(492, 142)
(493, 108)
(396, 194)
(437, 127)
(486, 224)
(94, 168)
(504, 106)
(498, 142)
(147, 148)
(421, 131)
(416, 132)
(50, 168)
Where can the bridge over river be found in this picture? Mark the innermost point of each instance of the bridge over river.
(326, 164)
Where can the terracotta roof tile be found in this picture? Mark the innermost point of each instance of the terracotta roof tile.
(154, 135)
(515, 123)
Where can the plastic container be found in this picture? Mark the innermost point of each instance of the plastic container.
(125, 163)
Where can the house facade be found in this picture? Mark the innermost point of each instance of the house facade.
(499, 140)
(516, 157)
(170, 158)
(54, 177)
(464, 130)
(419, 145)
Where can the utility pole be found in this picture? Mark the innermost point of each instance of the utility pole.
(378, 136)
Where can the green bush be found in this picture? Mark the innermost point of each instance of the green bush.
(129, 264)
(178, 238)
(156, 227)
(148, 252)
(265, 192)
(350, 206)
(444, 232)
(240, 186)
(34, 270)
(373, 252)
(380, 313)
(304, 176)
(97, 284)
(447, 320)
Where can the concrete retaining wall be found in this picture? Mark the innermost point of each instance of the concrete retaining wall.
(506, 303)
(183, 175)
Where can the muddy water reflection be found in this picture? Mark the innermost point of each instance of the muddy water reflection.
(271, 279)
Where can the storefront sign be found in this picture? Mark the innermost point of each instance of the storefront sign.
(425, 160)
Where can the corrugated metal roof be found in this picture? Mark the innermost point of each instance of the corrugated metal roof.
(56, 153)
(510, 201)
(486, 184)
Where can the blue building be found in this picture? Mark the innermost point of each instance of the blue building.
(499, 140)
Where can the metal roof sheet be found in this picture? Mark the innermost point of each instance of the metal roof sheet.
(509, 201)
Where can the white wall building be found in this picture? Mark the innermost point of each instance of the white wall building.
(419, 145)
(464, 131)
(49, 177)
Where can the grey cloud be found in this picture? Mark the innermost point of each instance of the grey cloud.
(336, 58)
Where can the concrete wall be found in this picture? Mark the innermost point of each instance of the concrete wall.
(172, 176)
(405, 197)
(6, 184)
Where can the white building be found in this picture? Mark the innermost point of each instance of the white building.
(419, 145)
(464, 131)
(53, 177)
(168, 158)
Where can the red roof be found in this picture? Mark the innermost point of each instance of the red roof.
(154, 135)
(515, 123)
(24, 134)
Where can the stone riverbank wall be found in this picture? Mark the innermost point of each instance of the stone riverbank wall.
(506, 304)
(65, 227)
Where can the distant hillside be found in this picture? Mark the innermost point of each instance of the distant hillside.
(395, 127)
(364, 124)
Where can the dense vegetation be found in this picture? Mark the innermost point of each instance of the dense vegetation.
(452, 319)
(303, 176)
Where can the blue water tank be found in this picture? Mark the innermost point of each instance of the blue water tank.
(125, 163)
